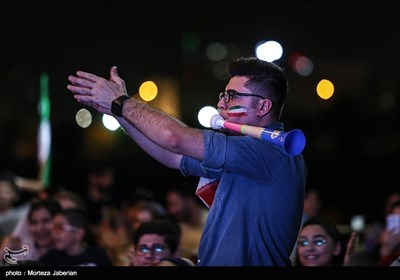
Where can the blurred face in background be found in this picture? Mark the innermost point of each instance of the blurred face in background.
(175, 205)
(315, 247)
(150, 249)
(103, 181)
(396, 210)
(136, 217)
(390, 200)
(40, 227)
(66, 236)
(8, 195)
(312, 204)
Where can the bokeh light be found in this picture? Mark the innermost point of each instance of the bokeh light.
(216, 51)
(148, 90)
(301, 64)
(83, 118)
(269, 51)
(110, 122)
(325, 89)
(205, 114)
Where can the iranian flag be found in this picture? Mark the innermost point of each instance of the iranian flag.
(44, 133)
(237, 111)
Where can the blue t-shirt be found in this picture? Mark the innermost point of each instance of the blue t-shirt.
(257, 210)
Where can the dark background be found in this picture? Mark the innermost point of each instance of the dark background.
(352, 149)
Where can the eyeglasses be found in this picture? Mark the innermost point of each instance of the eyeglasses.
(64, 227)
(317, 242)
(156, 249)
(230, 93)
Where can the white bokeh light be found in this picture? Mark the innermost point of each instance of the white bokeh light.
(357, 223)
(269, 51)
(205, 115)
(110, 122)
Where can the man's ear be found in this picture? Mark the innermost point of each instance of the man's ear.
(265, 106)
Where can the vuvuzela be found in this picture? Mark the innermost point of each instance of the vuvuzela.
(293, 142)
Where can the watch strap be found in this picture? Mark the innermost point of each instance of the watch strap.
(117, 103)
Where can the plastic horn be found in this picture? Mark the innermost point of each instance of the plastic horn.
(293, 141)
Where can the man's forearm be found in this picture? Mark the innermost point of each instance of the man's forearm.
(164, 130)
(160, 154)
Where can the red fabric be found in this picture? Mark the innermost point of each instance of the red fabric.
(207, 192)
(388, 260)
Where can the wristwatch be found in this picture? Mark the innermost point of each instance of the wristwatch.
(116, 106)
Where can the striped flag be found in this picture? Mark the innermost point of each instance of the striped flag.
(237, 111)
(44, 133)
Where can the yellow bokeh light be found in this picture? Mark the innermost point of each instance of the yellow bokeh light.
(325, 89)
(148, 90)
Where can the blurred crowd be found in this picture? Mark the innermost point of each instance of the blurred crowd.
(98, 227)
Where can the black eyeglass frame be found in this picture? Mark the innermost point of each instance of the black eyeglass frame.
(228, 94)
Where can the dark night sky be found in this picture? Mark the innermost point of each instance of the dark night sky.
(352, 141)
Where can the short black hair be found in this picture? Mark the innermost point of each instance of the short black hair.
(76, 217)
(264, 78)
(330, 228)
(166, 228)
(52, 206)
